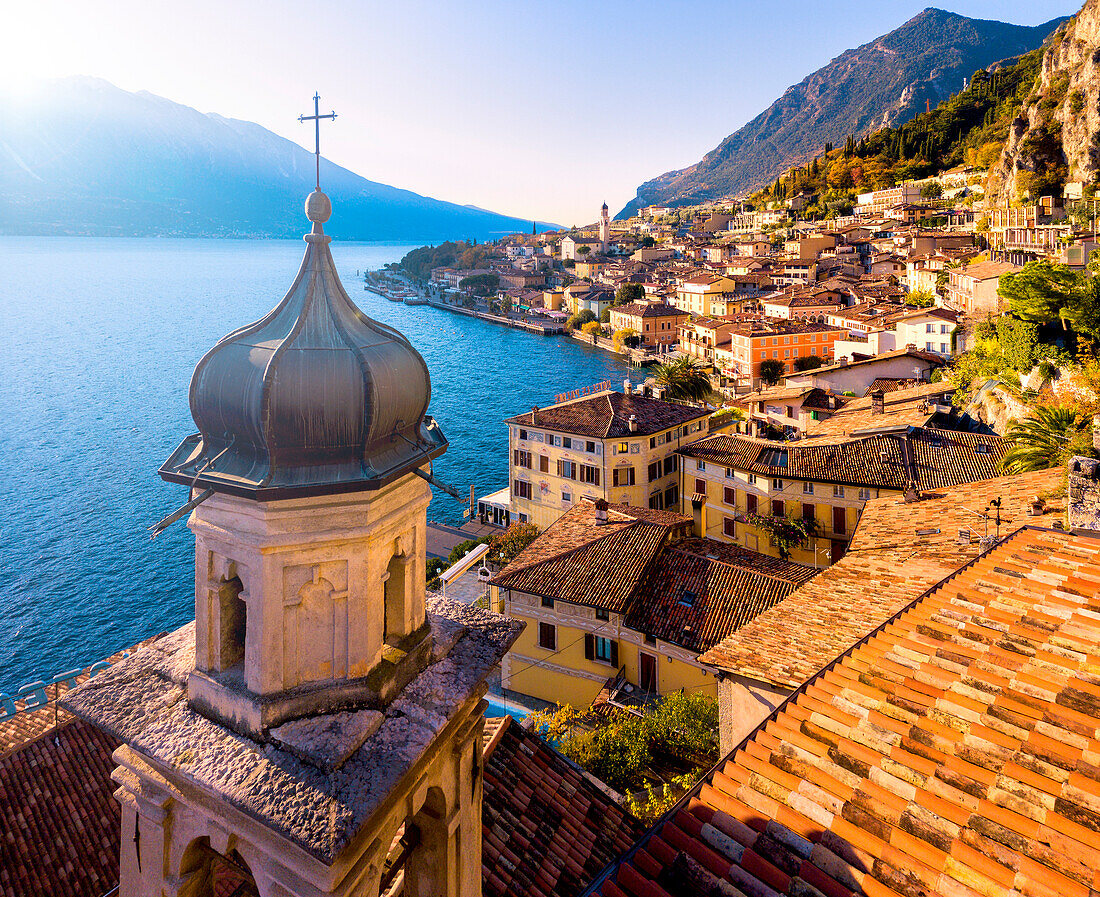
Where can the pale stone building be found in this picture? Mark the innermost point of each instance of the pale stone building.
(318, 729)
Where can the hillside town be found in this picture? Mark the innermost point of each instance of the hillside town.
(806, 604)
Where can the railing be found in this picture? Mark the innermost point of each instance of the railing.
(35, 695)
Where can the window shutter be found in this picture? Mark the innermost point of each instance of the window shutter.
(559, 467)
(614, 653)
(589, 646)
(596, 478)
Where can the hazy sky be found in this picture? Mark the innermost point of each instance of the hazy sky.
(539, 110)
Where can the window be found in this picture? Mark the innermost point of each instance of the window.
(838, 492)
(544, 463)
(589, 474)
(522, 434)
(929, 328)
(670, 465)
(521, 489)
(701, 485)
(590, 447)
(566, 442)
(567, 469)
(840, 525)
(930, 347)
(521, 458)
(651, 640)
(624, 447)
(943, 328)
(655, 501)
(943, 348)
(731, 473)
(547, 602)
(807, 488)
(790, 411)
(548, 636)
(602, 614)
(654, 471)
(752, 479)
(777, 484)
(700, 465)
(729, 496)
(729, 527)
(865, 495)
(602, 649)
(778, 508)
(672, 496)
(567, 497)
(808, 513)
(622, 476)
(751, 503)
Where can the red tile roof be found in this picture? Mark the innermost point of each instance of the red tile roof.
(899, 549)
(955, 751)
(547, 827)
(59, 821)
(606, 415)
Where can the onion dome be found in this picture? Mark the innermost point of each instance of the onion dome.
(313, 398)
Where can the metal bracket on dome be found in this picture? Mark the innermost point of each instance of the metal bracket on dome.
(450, 490)
(161, 525)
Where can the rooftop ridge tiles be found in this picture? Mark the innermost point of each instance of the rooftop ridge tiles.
(1025, 534)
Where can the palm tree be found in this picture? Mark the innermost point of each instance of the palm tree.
(1041, 440)
(684, 378)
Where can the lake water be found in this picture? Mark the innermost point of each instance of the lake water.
(100, 337)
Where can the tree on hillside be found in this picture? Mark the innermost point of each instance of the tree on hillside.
(771, 371)
(628, 293)
(1045, 439)
(1040, 292)
(684, 378)
(920, 298)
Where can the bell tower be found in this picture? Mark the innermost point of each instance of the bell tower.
(605, 229)
(317, 730)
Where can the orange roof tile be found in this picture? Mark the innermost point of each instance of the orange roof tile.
(964, 818)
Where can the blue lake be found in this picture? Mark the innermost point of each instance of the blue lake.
(100, 337)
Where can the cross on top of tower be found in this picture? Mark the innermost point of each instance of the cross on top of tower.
(316, 119)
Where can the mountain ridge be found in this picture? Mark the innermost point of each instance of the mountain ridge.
(96, 159)
(855, 93)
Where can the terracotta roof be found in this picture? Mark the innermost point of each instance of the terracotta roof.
(899, 549)
(547, 827)
(650, 310)
(59, 822)
(938, 360)
(908, 406)
(701, 590)
(988, 270)
(606, 415)
(892, 384)
(687, 591)
(580, 561)
(954, 752)
(932, 458)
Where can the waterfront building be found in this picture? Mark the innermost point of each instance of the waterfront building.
(740, 488)
(656, 323)
(619, 601)
(751, 342)
(318, 729)
(609, 445)
(581, 296)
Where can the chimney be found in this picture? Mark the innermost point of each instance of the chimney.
(632, 423)
(534, 411)
(912, 494)
(601, 512)
(878, 402)
(627, 388)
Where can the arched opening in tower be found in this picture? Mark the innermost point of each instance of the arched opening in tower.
(396, 599)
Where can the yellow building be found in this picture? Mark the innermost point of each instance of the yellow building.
(695, 294)
(738, 487)
(621, 601)
(609, 445)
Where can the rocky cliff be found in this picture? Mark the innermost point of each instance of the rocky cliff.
(1056, 136)
(882, 83)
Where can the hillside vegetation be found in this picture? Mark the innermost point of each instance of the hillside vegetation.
(968, 128)
(882, 83)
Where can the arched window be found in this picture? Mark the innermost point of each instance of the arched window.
(210, 874)
(232, 620)
(396, 600)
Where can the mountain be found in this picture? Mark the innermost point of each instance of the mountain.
(1055, 136)
(883, 83)
(81, 156)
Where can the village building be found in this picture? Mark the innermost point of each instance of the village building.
(740, 488)
(619, 601)
(656, 323)
(973, 290)
(609, 445)
(856, 376)
(752, 342)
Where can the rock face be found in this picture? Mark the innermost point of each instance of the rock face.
(883, 83)
(1056, 136)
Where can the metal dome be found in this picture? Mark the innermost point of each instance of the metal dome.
(314, 398)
